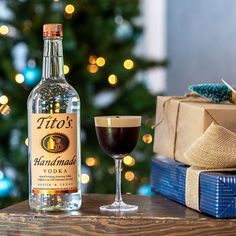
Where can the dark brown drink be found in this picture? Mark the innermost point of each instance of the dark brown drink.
(117, 141)
(117, 136)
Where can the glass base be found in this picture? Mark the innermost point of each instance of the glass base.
(118, 207)
(55, 202)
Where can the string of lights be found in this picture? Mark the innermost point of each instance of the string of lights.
(101, 67)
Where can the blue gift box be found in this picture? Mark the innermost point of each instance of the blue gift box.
(217, 189)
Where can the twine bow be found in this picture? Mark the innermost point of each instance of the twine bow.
(214, 150)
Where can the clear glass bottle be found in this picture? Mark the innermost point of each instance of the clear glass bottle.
(54, 133)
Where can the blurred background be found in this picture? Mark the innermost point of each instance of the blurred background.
(119, 55)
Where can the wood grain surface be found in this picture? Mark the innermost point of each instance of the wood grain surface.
(156, 216)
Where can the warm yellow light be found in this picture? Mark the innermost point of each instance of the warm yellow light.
(4, 109)
(19, 78)
(100, 61)
(92, 59)
(128, 64)
(3, 99)
(57, 107)
(92, 68)
(128, 193)
(133, 162)
(147, 138)
(112, 79)
(91, 161)
(4, 30)
(69, 9)
(66, 69)
(85, 178)
(129, 175)
(27, 142)
(128, 160)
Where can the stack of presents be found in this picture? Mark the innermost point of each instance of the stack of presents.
(195, 140)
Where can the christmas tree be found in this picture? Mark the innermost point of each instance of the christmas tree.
(214, 92)
(99, 39)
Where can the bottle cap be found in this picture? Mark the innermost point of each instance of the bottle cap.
(52, 30)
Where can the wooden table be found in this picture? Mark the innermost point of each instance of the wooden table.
(156, 216)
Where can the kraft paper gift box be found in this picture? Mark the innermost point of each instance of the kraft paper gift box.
(183, 120)
(217, 190)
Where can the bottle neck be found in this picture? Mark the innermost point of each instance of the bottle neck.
(53, 64)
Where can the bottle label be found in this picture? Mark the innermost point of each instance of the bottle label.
(54, 153)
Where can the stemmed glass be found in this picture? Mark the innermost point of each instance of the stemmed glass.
(117, 136)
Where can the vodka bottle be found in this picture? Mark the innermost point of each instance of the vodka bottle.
(54, 133)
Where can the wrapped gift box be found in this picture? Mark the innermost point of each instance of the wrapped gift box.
(183, 120)
(217, 189)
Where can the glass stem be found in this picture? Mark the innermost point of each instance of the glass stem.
(118, 162)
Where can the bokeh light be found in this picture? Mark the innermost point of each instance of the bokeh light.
(92, 68)
(92, 59)
(1, 175)
(27, 142)
(4, 109)
(85, 178)
(4, 29)
(129, 176)
(3, 99)
(112, 79)
(128, 64)
(69, 9)
(147, 138)
(100, 61)
(19, 78)
(57, 107)
(91, 161)
(66, 69)
(129, 160)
